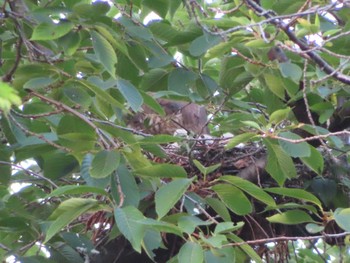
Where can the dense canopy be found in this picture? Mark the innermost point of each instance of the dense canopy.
(93, 167)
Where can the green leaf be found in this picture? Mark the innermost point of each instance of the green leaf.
(315, 161)
(153, 104)
(250, 189)
(38, 83)
(101, 93)
(168, 195)
(296, 193)
(128, 220)
(77, 189)
(190, 252)
(279, 115)
(104, 163)
(50, 31)
(313, 228)
(246, 248)
(160, 7)
(292, 217)
(216, 241)
(70, 42)
(104, 52)
(137, 55)
(206, 170)
(66, 212)
(64, 251)
(279, 165)
(77, 95)
(75, 133)
(342, 218)
(294, 149)
(154, 78)
(227, 227)
(59, 164)
(290, 70)
(325, 188)
(201, 44)
(164, 170)
(108, 33)
(85, 173)
(188, 224)
(161, 226)
(233, 198)
(180, 80)
(129, 187)
(160, 139)
(241, 138)
(219, 208)
(252, 124)
(130, 93)
(275, 84)
(8, 97)
(139, 32)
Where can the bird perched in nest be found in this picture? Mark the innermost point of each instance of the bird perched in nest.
(178, 115)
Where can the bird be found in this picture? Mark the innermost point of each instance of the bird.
(178, 115)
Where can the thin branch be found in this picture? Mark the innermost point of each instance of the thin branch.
(29, 172)
(2, 246)
(252, 61)
(81, 116)
(39, 136)
(197, 205)
(120, 192)
(36, 116)
(311, 138)
(230, 11)
(121, 127)
(8, 76)
(284, 238)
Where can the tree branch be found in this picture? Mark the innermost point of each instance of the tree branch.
(30, 173)
(324, 66)
(284, 238)
(81, 116)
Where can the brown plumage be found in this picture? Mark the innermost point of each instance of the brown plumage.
(179, 114)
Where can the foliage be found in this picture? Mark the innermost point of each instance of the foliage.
(75, 180)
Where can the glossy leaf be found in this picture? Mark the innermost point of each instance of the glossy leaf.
(314, 161)
(104, 52)
(342, 218)
(292, 217)
(8, 97)
(241, 138)
(294, 149)
(66, 213)
(290, 70)
(127, 220)
(279, 165)
(104, 163)
(168, 195)
(162, 171)
(130, 93)
(77, 189)
(233, 198)
(219, 208)
(296, 193)
(190, 252)
(250, 189)
(49, 31)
